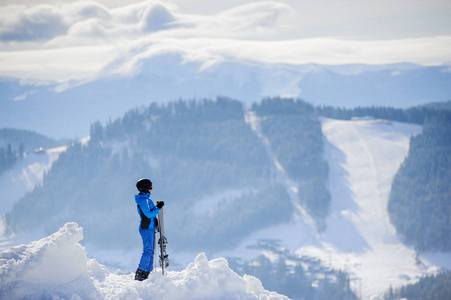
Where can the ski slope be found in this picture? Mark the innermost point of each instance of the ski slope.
(58, 267)
(363, 156)
(27, 173)
(21, 179)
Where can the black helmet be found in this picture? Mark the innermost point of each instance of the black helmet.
(143, 185)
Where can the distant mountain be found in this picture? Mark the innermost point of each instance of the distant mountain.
(16, 145)
(393, 86)
(66, 111)
(29, 140)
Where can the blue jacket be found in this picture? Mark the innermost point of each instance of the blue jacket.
(146, 210)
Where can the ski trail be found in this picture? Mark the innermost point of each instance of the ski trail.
(291, 186)
(367, 151)
(363, 158)
(22, 178)
(359, 237)
(25, 175)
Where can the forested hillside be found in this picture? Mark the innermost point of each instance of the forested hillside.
(194, 150)
(415, 115)
(446, 105)
(294, 132)
(26, 140)
(296, 282)
(8, 157)
(297, 277)
(15, 143)
(419, 205)
(190, 150)
(431, 287)
(219, 182)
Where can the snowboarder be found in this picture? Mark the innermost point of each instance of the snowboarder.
(147, 211)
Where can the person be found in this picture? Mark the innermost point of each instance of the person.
(148, 212)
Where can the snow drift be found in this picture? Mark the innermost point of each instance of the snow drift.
(58, 267)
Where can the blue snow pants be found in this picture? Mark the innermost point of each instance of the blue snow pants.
(148, 237)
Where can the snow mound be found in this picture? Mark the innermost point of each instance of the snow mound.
(57, 267)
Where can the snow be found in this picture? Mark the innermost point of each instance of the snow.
(21, 179)
(25, 175)
(211, 202)
(364, 155)
(58, 267)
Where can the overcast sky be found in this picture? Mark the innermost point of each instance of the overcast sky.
(76, 40)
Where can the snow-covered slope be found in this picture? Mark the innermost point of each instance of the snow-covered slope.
(21, 179)
(167, 77)
(57, 267)
(25, 175)
(364, 156)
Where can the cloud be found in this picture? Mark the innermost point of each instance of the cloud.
(87, 10)
(157, 17)
(45, 66)
(85, 40)
(41, 22)
(251, 21)
(46, 22)
(85, 21)
(267, 14)
(24, 96)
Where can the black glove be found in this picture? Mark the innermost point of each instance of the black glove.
(160, 204)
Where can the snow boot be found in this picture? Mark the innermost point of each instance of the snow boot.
(141, 275)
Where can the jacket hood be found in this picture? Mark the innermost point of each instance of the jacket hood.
(141, 196)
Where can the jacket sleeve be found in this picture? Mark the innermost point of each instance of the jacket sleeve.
(151, 211)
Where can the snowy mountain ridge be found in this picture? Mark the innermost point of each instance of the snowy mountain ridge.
(167, 77)
(58, 267)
